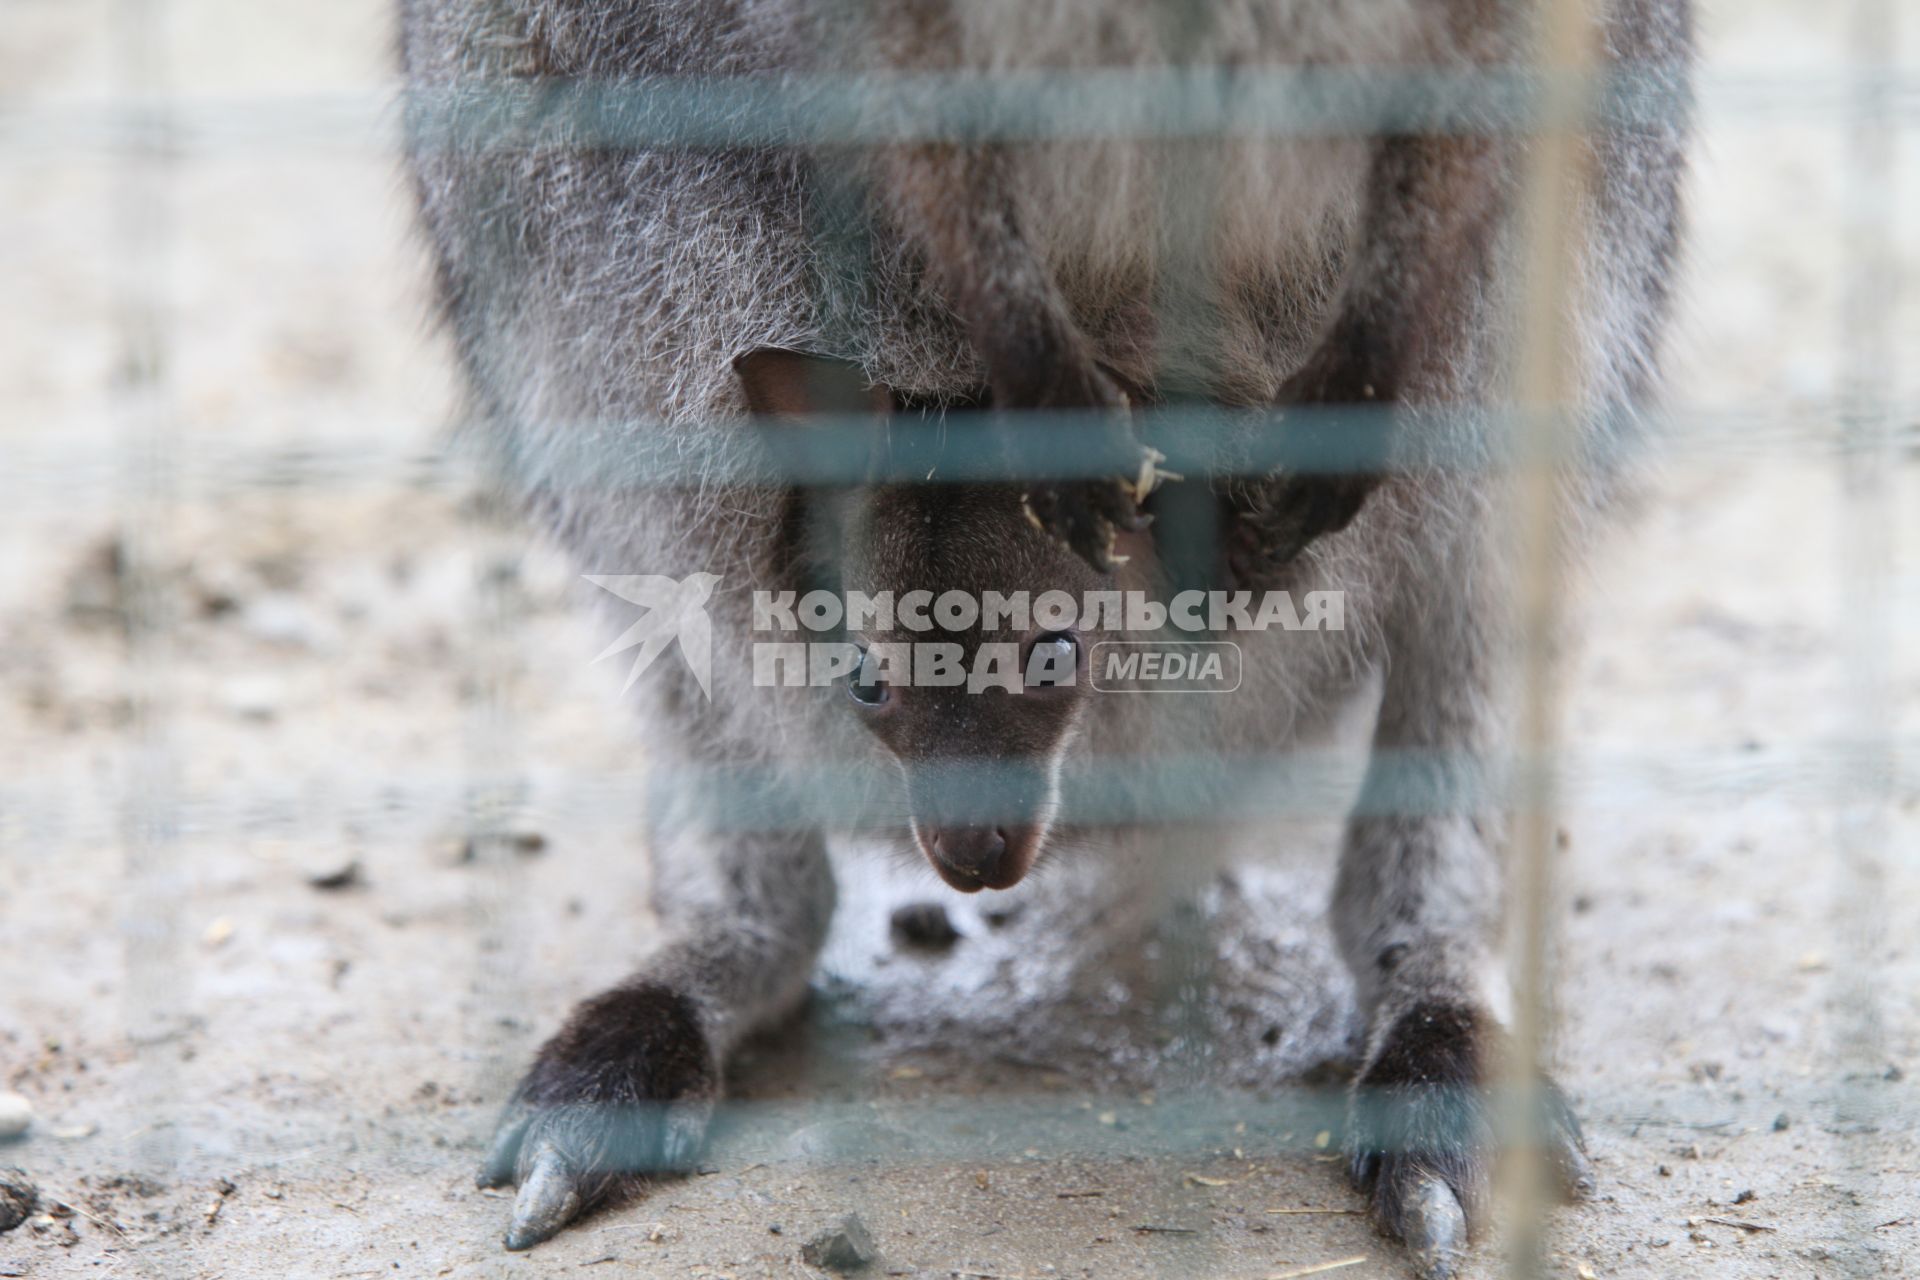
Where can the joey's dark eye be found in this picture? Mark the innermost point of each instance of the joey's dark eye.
(864, 685)
(1053, 660)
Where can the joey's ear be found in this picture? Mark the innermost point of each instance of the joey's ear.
(789, 384)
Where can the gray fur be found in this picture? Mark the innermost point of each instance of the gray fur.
(609, 292)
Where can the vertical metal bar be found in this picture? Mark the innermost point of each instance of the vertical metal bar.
(496, 789)
(1547, 395)
(1188, 200)
(1868, 461)
(154, 883)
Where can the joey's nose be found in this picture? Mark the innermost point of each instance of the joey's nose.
(970, 858)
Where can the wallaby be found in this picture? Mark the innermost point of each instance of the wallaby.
(611, 297)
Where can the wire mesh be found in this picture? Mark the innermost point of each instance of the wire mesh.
(149, 132)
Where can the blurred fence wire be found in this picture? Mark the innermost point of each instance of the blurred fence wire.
(765, 111)
(150, 127)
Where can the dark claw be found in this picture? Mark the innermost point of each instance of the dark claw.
(504, 1154)
(1566, 1145)
(1363, 1169)
(1577, 1179)
(549, 1199)
(1434, 1227)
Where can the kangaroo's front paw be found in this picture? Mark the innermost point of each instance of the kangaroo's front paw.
(1086, 516)
(1341, 437)
(623, 1090)
(1421, 1138)
(1270, 522)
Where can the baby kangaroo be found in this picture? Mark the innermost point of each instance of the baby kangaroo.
(636, 267)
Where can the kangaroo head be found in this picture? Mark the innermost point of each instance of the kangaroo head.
(961, 680)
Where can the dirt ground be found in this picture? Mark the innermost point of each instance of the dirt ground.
(218, 687)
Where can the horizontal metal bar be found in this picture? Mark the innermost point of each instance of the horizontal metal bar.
(1065, 1122)
(1117, 103)
(53, 471)
(1034, 106)
(1174, 788)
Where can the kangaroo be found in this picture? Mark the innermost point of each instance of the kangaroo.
(614, 297)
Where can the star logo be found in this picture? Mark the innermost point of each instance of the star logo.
(675, 610)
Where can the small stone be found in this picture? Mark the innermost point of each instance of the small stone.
(524, 841)
(344, 876)
(845, 1246)
(282, 619)
(1893, 1074)
(254, 697)
(1001, 917)
(18, 1198)
(16, 1115)
(924, 924)
(1782, 1122)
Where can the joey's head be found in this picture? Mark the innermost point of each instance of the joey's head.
(980, 705)
(977, 706)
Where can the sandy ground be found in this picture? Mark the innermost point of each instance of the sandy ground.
(216, 686)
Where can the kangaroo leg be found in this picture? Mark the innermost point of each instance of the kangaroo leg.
(1417, 911)
(627, 1085)
(1401, 332)
(956, 202)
